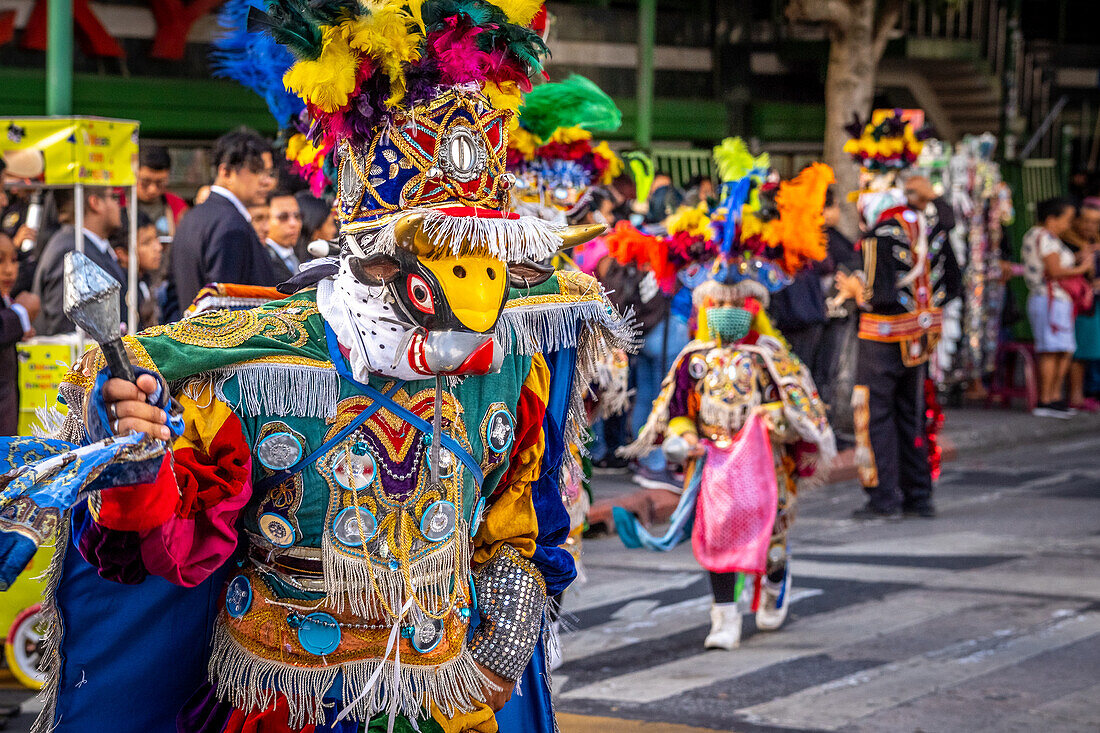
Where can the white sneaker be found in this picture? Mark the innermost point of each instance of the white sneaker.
(725, 627)
(1051, 412)
(773, 602)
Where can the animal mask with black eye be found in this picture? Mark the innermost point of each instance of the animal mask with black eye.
(448, 292)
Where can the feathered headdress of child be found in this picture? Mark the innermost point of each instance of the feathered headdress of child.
(768, 231)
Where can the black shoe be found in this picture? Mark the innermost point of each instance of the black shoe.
(924, 511)
(868, 512)
(610, 464)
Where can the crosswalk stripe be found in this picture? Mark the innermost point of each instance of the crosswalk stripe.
(1041, 583)
(612, 589)
(840, 703)
(820, 632)
(632, 626)
(568, 723)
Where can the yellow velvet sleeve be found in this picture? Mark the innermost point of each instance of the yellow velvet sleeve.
(510, 516)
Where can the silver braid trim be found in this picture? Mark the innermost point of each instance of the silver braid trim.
(512, 600)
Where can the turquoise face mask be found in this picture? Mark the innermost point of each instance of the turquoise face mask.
(728, 323)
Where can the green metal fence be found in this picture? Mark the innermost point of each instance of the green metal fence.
(683, 165)
(1032, 181)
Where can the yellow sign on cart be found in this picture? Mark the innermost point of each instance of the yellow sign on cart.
(65, 151)
(42, 364)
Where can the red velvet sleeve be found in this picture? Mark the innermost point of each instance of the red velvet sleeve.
(187, 518)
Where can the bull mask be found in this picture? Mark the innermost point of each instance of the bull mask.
(450, 302)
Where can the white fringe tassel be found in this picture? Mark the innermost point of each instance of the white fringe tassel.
(284, 389)
(249, 683)
(353, 580)
(511, 240)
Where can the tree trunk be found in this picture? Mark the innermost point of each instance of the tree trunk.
(849, 88)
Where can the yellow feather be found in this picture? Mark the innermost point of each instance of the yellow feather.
(330, 79)
(505, 96)
(567, 135)
(524, 142)
(692, 220)
(520, 12)
(614, 163)
(416, 14)
(390, 37)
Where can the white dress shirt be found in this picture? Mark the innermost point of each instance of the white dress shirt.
(226, 193)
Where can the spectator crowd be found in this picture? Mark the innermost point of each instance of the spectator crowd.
(256, 224)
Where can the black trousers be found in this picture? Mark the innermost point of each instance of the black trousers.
(896, 425)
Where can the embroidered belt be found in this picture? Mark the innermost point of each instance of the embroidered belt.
(893, 329)
(302, 561)
(304, 634)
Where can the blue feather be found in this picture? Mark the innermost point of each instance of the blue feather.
(255, 60)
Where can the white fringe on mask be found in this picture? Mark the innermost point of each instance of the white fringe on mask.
(511, 240)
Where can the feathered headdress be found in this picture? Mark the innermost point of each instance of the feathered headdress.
(259, 62)
(552, 152)
(362, 64)
(890, 144)
(767, 232)
(255, 60)
(417, 100)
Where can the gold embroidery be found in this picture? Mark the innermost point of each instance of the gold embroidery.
(84, 372)
(865, 454)
(227, 329)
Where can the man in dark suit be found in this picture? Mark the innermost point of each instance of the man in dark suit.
(215, 241)
(284, 231)
(102, 218)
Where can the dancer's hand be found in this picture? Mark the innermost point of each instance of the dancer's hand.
(128, 407)
(496, 699)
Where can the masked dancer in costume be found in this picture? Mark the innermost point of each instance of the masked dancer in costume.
(738, 410)
(908, 276)
(355, 520)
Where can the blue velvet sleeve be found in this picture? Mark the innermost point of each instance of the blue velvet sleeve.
(556, 565)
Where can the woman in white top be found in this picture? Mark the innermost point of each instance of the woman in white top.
(1047, 261)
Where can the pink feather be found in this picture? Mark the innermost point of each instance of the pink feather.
(457, 54)
(501, 67)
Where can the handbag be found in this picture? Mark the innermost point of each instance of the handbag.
(1080, 292)
(737, 503)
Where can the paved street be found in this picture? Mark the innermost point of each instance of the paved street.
(986, 619)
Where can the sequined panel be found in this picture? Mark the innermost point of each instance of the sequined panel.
(512, 599)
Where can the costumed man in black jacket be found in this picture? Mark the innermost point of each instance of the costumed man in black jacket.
(907, 281)
(215, 241)
(102, 218)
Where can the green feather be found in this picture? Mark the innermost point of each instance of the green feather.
(575, 102)
(735, 161)
(285, 23)
(480, 13)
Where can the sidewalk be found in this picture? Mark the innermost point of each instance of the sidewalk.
(967, 431)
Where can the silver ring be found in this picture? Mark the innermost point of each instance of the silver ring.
(113, 410)
(114, 427)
